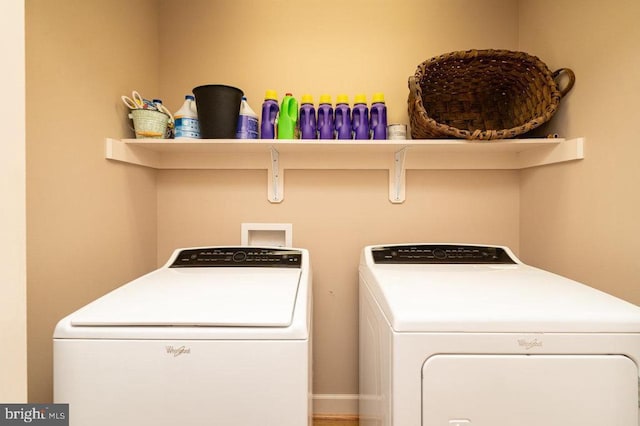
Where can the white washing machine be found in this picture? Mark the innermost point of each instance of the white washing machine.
(217, 336)
(466, 335)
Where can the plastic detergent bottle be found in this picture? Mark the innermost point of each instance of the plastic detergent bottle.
(247, 122)
(269, 114)
(378, 117)
(326, 129)
(343, 117)
(186, 119)
(307, 118)
(360, 117)
(288, 118)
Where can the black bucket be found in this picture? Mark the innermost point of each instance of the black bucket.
(218, 110)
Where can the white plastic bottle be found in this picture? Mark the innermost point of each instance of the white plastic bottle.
(186, 119)
(247, 122)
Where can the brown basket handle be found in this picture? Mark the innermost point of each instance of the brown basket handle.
(572, 79)
(413, 85)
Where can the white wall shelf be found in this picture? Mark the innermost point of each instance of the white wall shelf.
(396, 156)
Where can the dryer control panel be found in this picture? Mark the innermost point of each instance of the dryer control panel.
(238, 256)
(440, 254)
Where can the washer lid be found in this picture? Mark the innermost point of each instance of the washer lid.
(494, 298)
(208, 297)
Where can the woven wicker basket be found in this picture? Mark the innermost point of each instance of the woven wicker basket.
(149, 124)
(482, 95)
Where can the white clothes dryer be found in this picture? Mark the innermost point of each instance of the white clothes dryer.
(468, 335)
(217, 336)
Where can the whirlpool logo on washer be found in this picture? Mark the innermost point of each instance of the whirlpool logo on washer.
(530, 343)
(175, 352)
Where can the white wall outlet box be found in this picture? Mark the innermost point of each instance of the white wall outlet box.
(267, 234)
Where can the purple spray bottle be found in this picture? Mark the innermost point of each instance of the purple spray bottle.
(343, 118)
(270, 110)
(307, 118)
(378, 117)
(326, 126)
(360, 117)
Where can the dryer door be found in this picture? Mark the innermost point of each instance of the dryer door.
(529, 390)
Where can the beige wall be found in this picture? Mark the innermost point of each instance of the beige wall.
(91, 224)
(581, 219)
(103, 215)
(321, 46)
(329, 46)
(334, 214)
(13, 230)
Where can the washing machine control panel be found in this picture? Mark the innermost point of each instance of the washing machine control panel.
(238, 256)
(439, 254)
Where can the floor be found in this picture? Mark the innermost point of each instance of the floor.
(327, 420)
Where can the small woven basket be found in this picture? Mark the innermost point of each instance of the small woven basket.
(482, 95)
(149, 123)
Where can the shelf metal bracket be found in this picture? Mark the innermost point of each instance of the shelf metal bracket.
(397, 177)
(275, 190)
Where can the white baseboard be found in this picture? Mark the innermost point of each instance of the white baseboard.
(329, 403)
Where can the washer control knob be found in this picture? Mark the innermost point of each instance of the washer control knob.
(239, 256)
(439, 254)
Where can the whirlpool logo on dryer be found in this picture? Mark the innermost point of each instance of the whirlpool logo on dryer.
(181, 350)
(530, 343)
